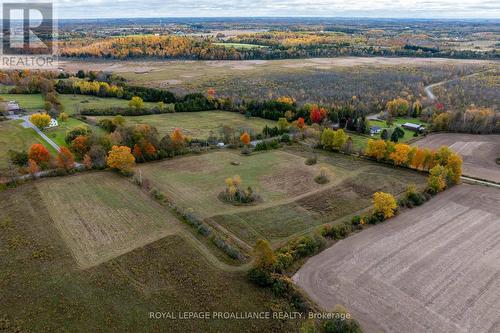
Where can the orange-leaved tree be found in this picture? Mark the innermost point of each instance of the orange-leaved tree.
(178, 139)
(317, 114)
(39, 154)
(120, 158)
(300, 123)
(87, 162)
(65, 159)
(245, 138)
(80, 145)
(33, 167)
(400, 154)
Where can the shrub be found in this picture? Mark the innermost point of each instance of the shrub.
(357, 222)
(341, 322)
(19, 158)
(322, 178)
(413, 196)
(228, 249)
(260, 276)
(311, 160)
(157, 194)
(76, 132)
(285, 138)
(267, 145)
(204, 230)
(235, 194)
(338, 231)
(375, 218)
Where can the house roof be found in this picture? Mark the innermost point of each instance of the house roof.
(412, 125)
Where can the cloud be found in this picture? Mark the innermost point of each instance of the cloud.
(211, 8)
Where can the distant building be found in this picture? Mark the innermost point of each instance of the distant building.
(13, 106)
(375, 130)
(413, 127)
(53, 123)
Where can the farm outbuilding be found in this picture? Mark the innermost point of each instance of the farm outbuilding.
(413, 127)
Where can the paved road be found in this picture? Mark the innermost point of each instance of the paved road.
(428, 89)
(28, 124)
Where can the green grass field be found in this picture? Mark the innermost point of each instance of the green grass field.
(198, 124)
(71, 103)
(241, 45)
(26, 101)
(14, 136)
(360, 141)
(292, 202)
(43, 289)
(58, 134)
(196, 181)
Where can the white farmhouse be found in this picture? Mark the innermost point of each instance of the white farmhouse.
(53, 123)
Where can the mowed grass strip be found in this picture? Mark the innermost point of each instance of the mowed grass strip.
(196, 181)
(71, 103)
(101, 215)
(348, 193)
(199, 124)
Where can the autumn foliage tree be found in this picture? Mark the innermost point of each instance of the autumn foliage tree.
(376, 149)
(264, 256)
(120, 158)
(437, 179)
(384, 204)
(333, 140)
(40, 120)
(65, 159)
(245, 138)
(80, 145)
(136, 104)
(400, 154)
(178, 139)
(317, 114)
(39, 154)
(398, 107)
(300, 123)
(33, 167)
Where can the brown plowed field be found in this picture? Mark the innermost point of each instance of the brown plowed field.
(435, 268)
(479, 152)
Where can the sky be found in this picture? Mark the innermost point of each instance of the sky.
(68, 9)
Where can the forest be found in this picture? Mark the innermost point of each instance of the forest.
(279, 45)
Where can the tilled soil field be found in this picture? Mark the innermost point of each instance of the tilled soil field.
(479, 152)
(431, 269)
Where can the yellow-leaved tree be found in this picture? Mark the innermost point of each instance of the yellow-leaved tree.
(136, 103)
(120, 158)
(400, 154)
(385, 204)
(264, 256)
(376, 149)
(40, 120)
